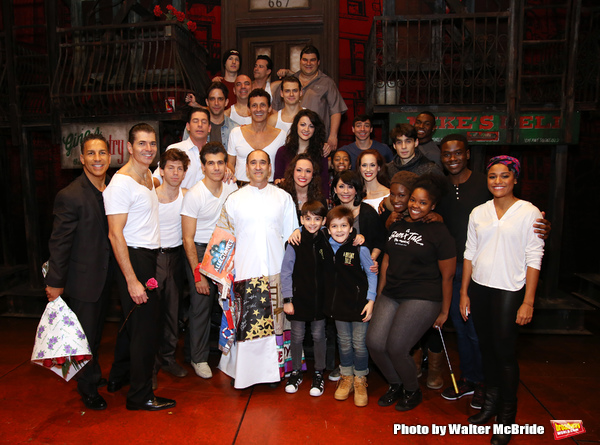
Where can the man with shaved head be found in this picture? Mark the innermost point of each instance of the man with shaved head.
(239, 112)
(261, 217)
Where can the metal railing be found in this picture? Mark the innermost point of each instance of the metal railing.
(487, 60)
(30, 61)
(454, 59)
(126, 69)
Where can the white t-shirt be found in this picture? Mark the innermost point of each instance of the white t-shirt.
(125, 195)
(239, 147)
(201, 204)
(502, 249)
(194, 171)
(170, 222)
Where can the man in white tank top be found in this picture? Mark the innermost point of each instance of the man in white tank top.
(169, 271)
(131, 207)
(291, 93)
(239, 112)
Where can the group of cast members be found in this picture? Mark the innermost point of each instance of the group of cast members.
(381, 245)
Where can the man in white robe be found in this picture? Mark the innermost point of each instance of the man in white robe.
(262, 217)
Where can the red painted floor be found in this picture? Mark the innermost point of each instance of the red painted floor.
(559, 380)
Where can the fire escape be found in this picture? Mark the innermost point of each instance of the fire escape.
(526, 56)
(124, 65)
(535, 54)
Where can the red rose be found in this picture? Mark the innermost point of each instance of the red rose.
(191, 26)
(170, 7)
(79, 358)
(60, 360)
(47, 363)
(180, 16)
(157, 11)
(151, 284)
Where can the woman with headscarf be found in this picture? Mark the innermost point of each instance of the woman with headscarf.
(501, 269)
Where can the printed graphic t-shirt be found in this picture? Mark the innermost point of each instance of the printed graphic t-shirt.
(414, 250)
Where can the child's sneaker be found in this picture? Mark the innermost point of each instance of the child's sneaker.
(294, 382)
(344, 388)
(318, 385)
(335, 375)
(361, 397)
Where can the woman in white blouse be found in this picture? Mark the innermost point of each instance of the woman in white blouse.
(501, 269)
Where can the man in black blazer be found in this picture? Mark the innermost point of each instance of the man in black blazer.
(81, 258)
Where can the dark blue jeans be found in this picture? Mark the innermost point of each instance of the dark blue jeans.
(354, 357)
(466, 336)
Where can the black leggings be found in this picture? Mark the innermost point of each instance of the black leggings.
(395, 327)
(494, 313)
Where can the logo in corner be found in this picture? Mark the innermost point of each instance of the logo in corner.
(567, 428)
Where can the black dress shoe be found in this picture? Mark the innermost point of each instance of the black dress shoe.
(154, 404)
(94, 401)
(115, 385)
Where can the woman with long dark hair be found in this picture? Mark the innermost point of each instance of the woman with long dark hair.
(307, 135)
(301, 180)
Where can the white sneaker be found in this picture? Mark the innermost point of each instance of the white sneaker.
(202, 370)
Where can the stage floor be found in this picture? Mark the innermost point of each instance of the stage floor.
(559, 380)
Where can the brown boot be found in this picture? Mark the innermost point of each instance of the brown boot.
(361, 398)
(418, 358)
(344, 387)
(434, 375)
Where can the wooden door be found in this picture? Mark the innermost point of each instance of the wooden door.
(283, 48)
(281, 32)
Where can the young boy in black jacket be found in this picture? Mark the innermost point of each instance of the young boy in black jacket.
(303, 290)
(350, 296)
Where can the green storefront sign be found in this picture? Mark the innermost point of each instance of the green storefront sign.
(481, 128)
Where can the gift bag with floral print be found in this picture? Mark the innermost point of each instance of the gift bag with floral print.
(60, 343)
